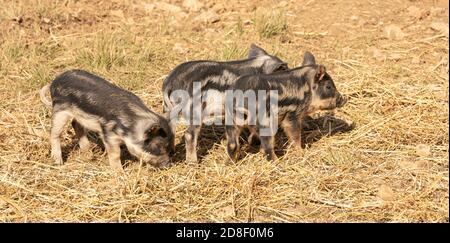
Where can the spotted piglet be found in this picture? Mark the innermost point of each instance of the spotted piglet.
(117, 115)
(300, 91)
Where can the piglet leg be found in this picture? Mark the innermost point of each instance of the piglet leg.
(292, 127)
(232, 134)
(81, 134)
(59, 121)
(267, 147)
(112, 146)
(191, 139)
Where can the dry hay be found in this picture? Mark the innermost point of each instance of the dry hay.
(391, 59)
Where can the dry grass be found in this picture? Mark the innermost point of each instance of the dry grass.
(380, 171)
(270, 23)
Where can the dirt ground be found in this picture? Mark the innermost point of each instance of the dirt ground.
(389, 165)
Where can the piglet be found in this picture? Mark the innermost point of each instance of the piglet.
(117, 115)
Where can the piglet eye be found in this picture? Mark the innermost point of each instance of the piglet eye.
(147, 141)
(162, 133)
(328, 87)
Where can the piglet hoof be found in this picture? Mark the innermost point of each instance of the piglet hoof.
(57, 160)
(233, 152)
(297, 145)
(191, 159)
(253, 140)
(117, 169)
(116, 166)
(163, 165)
(84, 145)
(233, 158)
(271, 157)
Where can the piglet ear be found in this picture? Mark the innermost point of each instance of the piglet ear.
(282, 67)
(308, 59)
(320, 72)
(256, 51)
